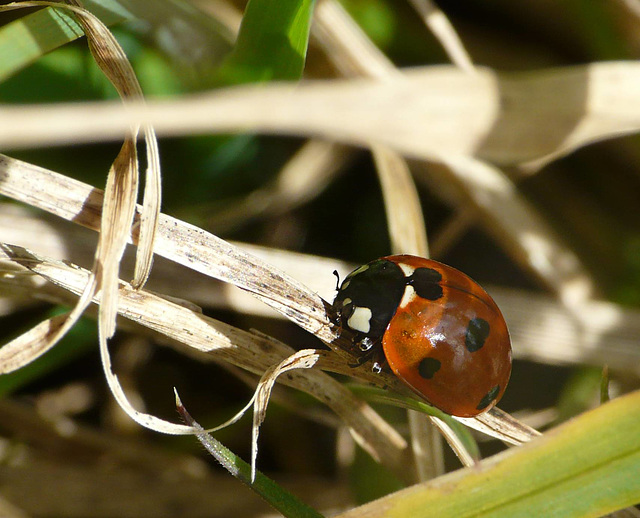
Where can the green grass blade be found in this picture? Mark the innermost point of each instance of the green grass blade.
(272, 43)
(587, 467)
(280, 499)
(376, 395)
(24, 40)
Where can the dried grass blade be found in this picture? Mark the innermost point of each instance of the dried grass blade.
(438, 23)
(404, 213)
(430, 112)
(501, 425)
(29, 346)
(112, 60)
(545, 331)
(150, 214)
(177, 241)
(119, 201)
(305, 359)
(147, 420)
(47, 333)
(305, 175)
(196, 249)
(247, 350)
(518, 226)
(346, 45)
(117, 214)
(457, 445)
(119, 206)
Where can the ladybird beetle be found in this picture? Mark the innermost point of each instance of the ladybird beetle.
(435, 328)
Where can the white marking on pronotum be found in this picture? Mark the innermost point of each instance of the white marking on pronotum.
(360, 320)
(406, 269)
(408, 296)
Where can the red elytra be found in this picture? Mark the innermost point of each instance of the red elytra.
(445, 337)
(439, 330)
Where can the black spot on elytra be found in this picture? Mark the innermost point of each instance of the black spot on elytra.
(425, 282)
(428, 367)
(477, 333)
(488, 398)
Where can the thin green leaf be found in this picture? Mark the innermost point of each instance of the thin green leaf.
(280, 499)
(587, 467)
(272, 43)
(377, 395)
(26, 39)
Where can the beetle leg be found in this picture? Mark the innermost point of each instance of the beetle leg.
(366, 344)
(368, 348)
(379, 361)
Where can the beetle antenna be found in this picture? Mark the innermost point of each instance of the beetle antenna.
(335, 272)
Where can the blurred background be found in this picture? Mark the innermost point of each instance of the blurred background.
(232, 186)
